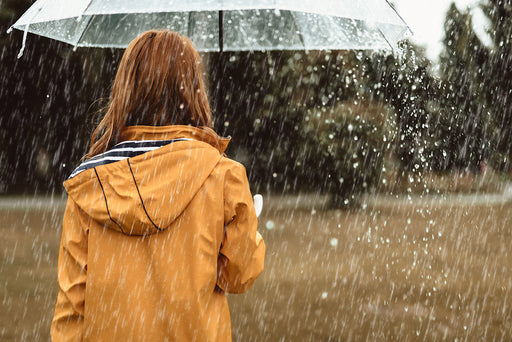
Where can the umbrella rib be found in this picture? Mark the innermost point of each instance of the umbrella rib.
(301, 37)
(398, 14)
(383, 36)
(89, 19)
(86, 25)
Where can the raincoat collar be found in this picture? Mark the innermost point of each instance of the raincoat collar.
(204, 134)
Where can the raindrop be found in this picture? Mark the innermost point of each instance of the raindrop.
(269, 225)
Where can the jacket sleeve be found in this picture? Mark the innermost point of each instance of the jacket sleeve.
(242, 251)
(68, 319)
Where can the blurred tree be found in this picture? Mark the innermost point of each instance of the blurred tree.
(405, 82)
(248, 108)
(346, 148)
(46, 97)
(464, 117)
(289, 114)
(498, 82)
(261, 99)
(466, 120)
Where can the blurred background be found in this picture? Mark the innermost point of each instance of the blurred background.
(286, 110)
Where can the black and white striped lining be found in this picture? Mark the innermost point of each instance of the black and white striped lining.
(121, 151)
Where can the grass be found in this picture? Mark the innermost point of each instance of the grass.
(29, 253)
(396, 272)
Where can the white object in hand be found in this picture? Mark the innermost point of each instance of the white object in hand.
(258, 204)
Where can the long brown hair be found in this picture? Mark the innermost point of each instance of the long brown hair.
(158, 83)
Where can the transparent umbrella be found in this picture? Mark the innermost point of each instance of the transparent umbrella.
(221, 25)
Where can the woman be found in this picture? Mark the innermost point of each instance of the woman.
(158, 223)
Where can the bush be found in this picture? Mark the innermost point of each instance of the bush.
(345, 149)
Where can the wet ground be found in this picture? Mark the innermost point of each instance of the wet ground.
(398, 270)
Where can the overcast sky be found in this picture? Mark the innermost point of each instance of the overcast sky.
(426, 19)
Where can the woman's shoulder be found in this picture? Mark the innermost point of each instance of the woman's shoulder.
(232, 170)
(228, 163)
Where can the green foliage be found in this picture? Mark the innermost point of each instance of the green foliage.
(346, 148)
(464, 116)
(498, 83)
(303, 121)
(262, 99)
(474, 113)
(463, 101)
(406, 83)
(293, 116)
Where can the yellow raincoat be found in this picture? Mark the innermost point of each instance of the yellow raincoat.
(155, 231)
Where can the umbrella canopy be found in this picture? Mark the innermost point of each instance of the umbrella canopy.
(221, 25)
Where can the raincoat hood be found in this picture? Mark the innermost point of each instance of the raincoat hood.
(141, 185)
